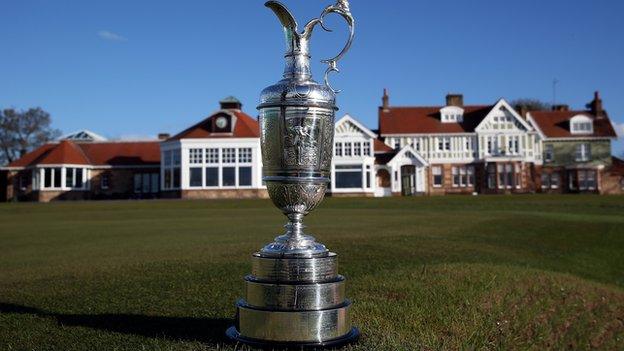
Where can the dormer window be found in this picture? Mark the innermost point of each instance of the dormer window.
(581, 124)
(452, 114)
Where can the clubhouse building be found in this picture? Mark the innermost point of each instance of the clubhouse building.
(433, 150)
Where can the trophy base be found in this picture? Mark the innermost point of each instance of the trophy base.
(350, 338)
(294, 302)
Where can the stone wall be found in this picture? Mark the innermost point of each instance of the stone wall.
(224, 194)
(612, 183)
(356, 194)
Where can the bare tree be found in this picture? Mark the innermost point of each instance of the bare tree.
(22, 131)
(530, 105)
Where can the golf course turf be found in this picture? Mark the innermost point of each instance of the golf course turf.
(425, 273)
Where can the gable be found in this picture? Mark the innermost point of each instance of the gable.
(503, 118)
(349, 126)
(407, 153)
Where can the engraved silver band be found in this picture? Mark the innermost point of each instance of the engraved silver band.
(294, 326)
(295, 297)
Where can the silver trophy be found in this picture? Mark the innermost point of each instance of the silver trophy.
(294, 296)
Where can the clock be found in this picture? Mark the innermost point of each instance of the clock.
(221, 122)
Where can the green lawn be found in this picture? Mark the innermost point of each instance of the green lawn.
(496, 273)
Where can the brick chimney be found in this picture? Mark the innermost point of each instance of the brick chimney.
(455, 100)
(385, 100)
(561, 108)
(163, 136)
(596, 106)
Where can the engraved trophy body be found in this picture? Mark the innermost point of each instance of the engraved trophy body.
(294, 295)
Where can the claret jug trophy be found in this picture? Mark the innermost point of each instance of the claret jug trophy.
(294, 294)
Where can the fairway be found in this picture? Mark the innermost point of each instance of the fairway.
(431, 273)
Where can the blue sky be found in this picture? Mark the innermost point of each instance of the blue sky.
(137, 68)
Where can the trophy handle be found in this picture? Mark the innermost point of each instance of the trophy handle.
(342, 8)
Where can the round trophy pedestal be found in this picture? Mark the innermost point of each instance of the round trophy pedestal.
(294, 302)
(353, 335)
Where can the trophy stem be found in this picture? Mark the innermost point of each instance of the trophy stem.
(295, 227)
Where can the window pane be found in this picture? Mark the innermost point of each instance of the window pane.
(195, 177)
(196, 156)
(69, 176)
(176, 177)
(168, 179)
(244, 155)
(545, 181)
(229, 176)
(146, 183)
(349, 179)
(244, 176)
(347, 149)
(78, 182)
(137, 183)
(554, 180)
(212, 155)
(229, 155)
(176, 157)
(47, 178)
(57, 177)
(212, 176)
(357, 149)
(155, 182)
(338, 149)
(168, 158)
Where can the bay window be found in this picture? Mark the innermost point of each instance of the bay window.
(221, 167)
(73, 178)
(463, 176)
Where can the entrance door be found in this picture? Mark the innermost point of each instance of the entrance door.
(408, 180)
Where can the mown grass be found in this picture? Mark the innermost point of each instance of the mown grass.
(427, 273)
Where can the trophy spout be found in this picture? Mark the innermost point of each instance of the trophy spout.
(289, 25)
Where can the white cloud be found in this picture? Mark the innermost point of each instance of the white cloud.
(619, 129)
(106, 35)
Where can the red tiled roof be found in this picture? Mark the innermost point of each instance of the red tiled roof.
(123, 153)
(245, 127)
(617, 166)
(420, 120)
(556, 124)
(380, 147)
(96, 154)
(384, 158)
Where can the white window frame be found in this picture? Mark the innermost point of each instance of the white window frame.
(437, 171)
(582, 152)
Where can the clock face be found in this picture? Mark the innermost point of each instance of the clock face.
(221, 122)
